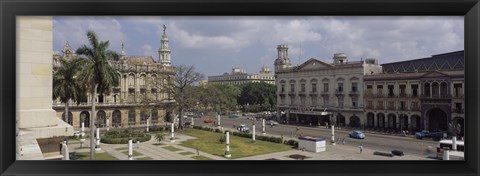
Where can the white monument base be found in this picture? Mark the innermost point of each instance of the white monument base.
(312, 144)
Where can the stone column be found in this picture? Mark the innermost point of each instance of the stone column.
(375, 120)
(398, 121)
(130, 149)
(172, 131)
(333, 135)
(454, 143)
(446, 153)
(148, 123)
(65, 153)
(218, 119)
(253, 133)
(227, 144)
(263, 127)
(83, 132)
(192, 122)
(409, 122)
(97, 147)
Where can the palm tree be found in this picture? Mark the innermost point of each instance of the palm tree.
(65, 86)
(96, 73)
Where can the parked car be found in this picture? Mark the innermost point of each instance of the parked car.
(271, 123)
(357, 134)
(234, 116)
(243, 128)
(209, 120)
(435, 135)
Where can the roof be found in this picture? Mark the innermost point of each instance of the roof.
(140, 60)
(414, 75)
(447, 61)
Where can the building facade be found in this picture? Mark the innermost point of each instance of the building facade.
(307, 90)
(420, 94)
(238, 77)
(138, 97)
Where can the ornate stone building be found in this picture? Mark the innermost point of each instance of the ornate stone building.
(418, 94)
(141, 80)
(238, 76)
(307, 90)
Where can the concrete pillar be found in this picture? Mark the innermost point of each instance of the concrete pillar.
(83, 132)
(148, 123)
(409, 119)
(218, 119)
(108, 127)
(253, 133)
(130, 149)
(398, 121)
(65, 153)
(375, 121)
(192, 122)
(172, 131)
(263, 127)
(446, 153)
(97, 147)
(454, 143)
(333, 135)
(227, 144)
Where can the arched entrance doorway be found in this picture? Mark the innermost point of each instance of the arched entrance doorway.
(85, 117)
(415, 123)
(116, 118)
(437, 120)
(370, 119)
(381, 120)
(340, 120)
(403, 122)
(131, 117)
(70, 117)
(154, 116)
(354, 121)
(101, 119)
(392, 120)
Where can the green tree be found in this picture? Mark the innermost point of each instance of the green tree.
(96, 73)
(159, 137)
(65, 84)
(258, 96)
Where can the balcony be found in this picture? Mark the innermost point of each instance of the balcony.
(390, 107)
(368, 95)
(391, 95)
(380, 107)
(325, 93)
(339, 93)
(403, 95)
(142, 87)
(415, 108)
(402, 108)
(369, 107)
(424, 96)
(303, 93)
(132, 87)
(458, 110)
(459, 96)
(353, 93)
(313, 93)
(379, 95)
(291, 93)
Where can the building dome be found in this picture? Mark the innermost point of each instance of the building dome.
(279, 61)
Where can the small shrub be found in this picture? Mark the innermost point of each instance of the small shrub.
(222, 139)
(159, 137)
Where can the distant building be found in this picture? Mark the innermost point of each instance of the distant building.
(238, 76)
(418, 94)
(203, 83)
(141, 78)
(305, 91)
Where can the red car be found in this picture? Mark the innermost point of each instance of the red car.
(208, 120)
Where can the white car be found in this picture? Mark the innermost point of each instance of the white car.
(271, 123)
(243, 128)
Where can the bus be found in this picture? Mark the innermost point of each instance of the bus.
(448, 143)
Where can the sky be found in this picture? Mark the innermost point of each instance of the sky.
(215, 45)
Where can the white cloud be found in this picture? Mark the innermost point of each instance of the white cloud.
(147, 50)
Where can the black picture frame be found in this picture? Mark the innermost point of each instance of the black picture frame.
(9, 9)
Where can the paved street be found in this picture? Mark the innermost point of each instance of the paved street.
(378, 142)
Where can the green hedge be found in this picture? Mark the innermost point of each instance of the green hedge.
(121, 137)
(292, 142)
(249, 135)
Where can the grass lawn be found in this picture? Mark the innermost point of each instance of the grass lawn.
(173, 149)
(186, 153)
(134, 153)
(97, 156)
(207, 141)
(201, 158)
(144, 158)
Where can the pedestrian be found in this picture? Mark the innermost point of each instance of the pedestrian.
(198, 152)
(361, 148)
(343, 141)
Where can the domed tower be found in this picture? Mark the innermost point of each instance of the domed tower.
(67, 51)
(164, 50)
(282, 61)
(340, 58)
(122, 53)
